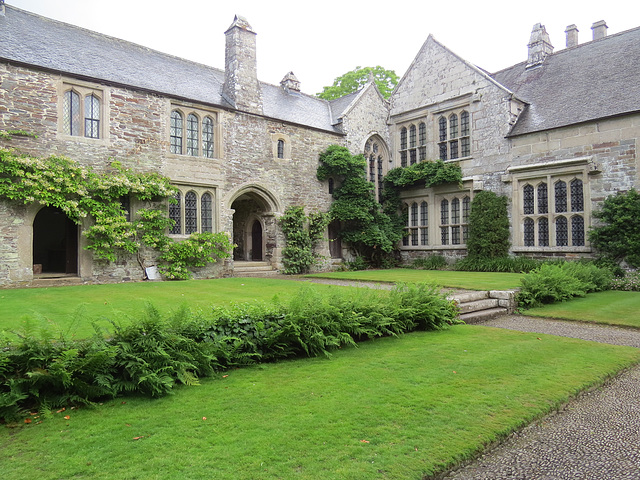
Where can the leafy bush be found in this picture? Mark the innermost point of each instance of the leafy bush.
(195, 251)
(151, 355)
(488, 226)
(432, 262)
(301, 234)
(562, 281)
(619, 238)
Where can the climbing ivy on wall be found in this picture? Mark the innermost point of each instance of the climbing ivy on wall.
(373, 230)
(80, 193)
(301, 233)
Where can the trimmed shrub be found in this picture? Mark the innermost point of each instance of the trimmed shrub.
(499, 264)
(488, 226)
(432, 262)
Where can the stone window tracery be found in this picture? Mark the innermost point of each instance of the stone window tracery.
(188, 135)
(375, 154)
(194, 210)
(454, 140)
(81, 112)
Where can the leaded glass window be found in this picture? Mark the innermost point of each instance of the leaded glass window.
(465, 233)
(403, 139)
(561, 196)
(562, 232)
(414, 237)
(464, 124)
(444, 235)
(414, 214)
(412, 157)
(444, 212)
(543, 232)
(465, 147)
(529, 233)
(453, 149)
(331, 186)
(192, 135)
(466, 208)
(577, 231)
(453, 126)
(206, 212)
(527, 199)
(190, 213)
(455, 235)
(175, 210)
(543, 201)
(577, 197)
(175, 132)
(71, 113)
(380, 179)
(207, 137)
(405, 212)
(372, 168)
(443, 151)
(455, 210)
(412, 136)
(424, 214)
(422, 139)
(442, 128)
(91, 116)
(280, 148)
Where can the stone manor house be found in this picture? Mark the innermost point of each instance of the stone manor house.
(556, 133)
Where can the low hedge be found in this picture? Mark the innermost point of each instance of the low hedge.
(149, 356)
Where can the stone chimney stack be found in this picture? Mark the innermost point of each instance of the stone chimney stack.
(241, 87)
(599, 29)
(290, 83)
(539, 45)
(572, 35)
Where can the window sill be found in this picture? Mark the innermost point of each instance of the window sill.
(520, 249)
(433, 247)
(82, 139)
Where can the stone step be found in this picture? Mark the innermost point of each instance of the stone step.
(252, 269)
(481, 315)
(478, 305)
(55, 281)
(467, 297)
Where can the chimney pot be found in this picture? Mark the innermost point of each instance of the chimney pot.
(572, 35)
(599, 30)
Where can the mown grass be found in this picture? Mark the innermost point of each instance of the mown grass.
(72, 308)
(610, 307)
(443, 278)
(394, 408)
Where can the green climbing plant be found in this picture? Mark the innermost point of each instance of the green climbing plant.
(302, 233)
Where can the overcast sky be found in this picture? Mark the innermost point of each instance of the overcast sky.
(321, 40)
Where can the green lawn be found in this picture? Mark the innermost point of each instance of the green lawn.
(611, 307)
(444, 278)
(394, 408)
(59, 305)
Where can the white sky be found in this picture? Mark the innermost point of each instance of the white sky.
(321, 40)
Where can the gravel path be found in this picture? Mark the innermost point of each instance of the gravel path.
(596, 436)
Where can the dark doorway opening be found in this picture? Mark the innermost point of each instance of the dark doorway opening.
(55, 242)
(335, 244)
(256, 240)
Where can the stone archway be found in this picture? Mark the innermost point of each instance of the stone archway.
(254, 225)
(55, 243)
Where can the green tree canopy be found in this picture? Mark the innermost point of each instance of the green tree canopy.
(357, 78)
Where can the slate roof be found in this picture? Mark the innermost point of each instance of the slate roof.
(42, 42)
(596, 79)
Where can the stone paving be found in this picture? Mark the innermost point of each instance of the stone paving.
(596, 436)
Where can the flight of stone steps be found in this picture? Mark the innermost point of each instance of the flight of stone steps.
(253, 269)
(482, 305)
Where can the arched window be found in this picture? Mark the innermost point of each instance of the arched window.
(412, 145)
(280, 148)
(543, 200)
(206, 212)
(527, 199)
(424, 224)
(442, 129)
(405, 214)
(71, 113)
(414, 214)
(175, 132)
(175, 214)
(465, 143)
(562, 232)
(455, 210)
(543, 232)
(466, 209)
(561, 196)
(422, 140)
(375, 154)
(190, 213)
(529, 233)
(577, 195)
(577, 231)
(207, 137)
(192, 135)
(444, 212)
(453, 135)
(403, 147)
(91, 116)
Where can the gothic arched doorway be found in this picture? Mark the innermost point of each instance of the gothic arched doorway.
(55, 242)
(254, 224)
